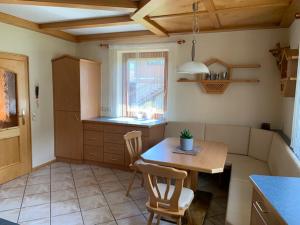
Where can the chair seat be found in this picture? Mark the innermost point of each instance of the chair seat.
(186, 196)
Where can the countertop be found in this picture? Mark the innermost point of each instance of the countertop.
(283, 193)
(127, 121)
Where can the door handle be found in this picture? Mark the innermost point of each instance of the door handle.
(22, 116)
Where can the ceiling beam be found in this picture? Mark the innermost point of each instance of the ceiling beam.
(210, 7)
(119, 5)
(290, 13)
(114, 36)
(12, 20)
(85, 23)
(141, 16)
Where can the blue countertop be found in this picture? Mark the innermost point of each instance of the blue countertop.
(283, 193)
(127, 121)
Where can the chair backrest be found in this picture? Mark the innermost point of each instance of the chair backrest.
(133, 141)
(169, 199)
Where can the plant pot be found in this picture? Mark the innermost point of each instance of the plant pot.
(186, 144)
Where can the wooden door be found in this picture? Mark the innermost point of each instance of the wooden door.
(66, 84)
(15, 142)
(68, 135)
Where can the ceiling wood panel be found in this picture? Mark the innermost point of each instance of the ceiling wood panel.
(223, 4)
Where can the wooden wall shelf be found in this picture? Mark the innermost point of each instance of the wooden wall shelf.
(219, 86)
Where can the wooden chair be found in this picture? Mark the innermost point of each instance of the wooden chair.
(133, 141)
(166, 199)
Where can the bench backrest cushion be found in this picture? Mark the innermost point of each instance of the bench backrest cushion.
(236, 137)
(260, 143)
(173, 129)
(282, 161)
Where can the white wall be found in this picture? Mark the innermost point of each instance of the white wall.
(243, 104)
(288, 103)
(40, 49)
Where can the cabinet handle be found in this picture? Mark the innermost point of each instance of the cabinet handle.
(261, 208)
(22, 117)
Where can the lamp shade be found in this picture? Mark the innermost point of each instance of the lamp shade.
(193, 67)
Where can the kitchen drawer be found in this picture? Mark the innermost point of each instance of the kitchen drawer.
(119, 129)
(93, 126)
(113, 158)
(94, 138)
(145, 131)
(114, 148)
(113, 138)
(94, 153)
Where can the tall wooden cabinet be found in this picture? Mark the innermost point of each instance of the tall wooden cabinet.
(76, 95)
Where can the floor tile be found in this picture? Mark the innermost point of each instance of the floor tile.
(141, 204)
(42, 171)
(116, 197)
(82, 173)
(123, 175)
(138, 193)
(105, 178)
(80, 167)
(62, 185)
(100, 171)
(38, 199)
(85, 181)
(10, 215)
(59, 164)
(10, 203)
(111, 187)
(59, 170)
(109, 223)
(37, 189)
(124, 210)
(12, 192)
(45, 221)
(136, 220)
(63, 195)
(34, 213)
(96, 216)
(65, 207)
(92, 202)
(61, 177)
(19, 182)
(137, 183)
(88, 191)
(69, 219)
(43, 179)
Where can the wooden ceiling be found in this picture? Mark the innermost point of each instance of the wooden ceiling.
(161, 17)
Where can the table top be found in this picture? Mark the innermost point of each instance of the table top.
(282, 193)
(210, 158)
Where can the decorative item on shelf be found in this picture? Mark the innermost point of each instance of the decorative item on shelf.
(186, 140)
(217, 83)
(193, 67)
(287, 62)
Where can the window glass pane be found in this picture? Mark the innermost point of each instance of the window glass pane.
(8, 100)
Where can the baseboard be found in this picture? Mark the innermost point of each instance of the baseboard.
(43, 165)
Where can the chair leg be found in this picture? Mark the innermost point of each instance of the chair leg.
(179, 221)
(189, 217)
(131, 183)
(158, 219)
(150, 218)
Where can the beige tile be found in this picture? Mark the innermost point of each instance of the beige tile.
(80, 167)
(61, 177)
(34, 213)
(63, 195)
(59, 164)
(10, 203)
(45, 221)
(97, 216)
(69, 219)
(77, 174)
(10, 215)
(88, 191)
(37, 189)
(65, 207)
(141, 204)
(111, 187)
(138, 193)
(19, 182)
(44, 179)
(137, 183)
(61, 170)
(62, 185)
(85, 181)
(92, 202)
(109, 223)
(116, 197)
(124, 210)
(12, 192)
(38, 199)
(41, 171)
(105, 178)
(123, 175)
(136, 220)
(99, 171)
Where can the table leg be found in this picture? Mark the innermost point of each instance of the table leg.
(192, 180)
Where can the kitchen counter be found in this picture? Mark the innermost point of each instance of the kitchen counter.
(127, 121)
(282, 193)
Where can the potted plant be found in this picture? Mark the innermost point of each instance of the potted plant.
(186, 140)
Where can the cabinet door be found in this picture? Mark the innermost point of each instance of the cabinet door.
(256, 218)
(68, 135)
(66, 84)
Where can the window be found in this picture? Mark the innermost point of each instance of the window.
(145, 84)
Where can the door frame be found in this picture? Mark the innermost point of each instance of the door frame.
(25, 59)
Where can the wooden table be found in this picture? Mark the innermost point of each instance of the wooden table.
(210, 158)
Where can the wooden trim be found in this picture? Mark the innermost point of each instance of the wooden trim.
(15, 21)
(152, 26)
(289, 15)
(114, 36)
(9, 133)
(119, 5)
(210, 6)
(95, 22)
(43, 165)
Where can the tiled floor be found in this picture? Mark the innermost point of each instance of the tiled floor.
(69, 194)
